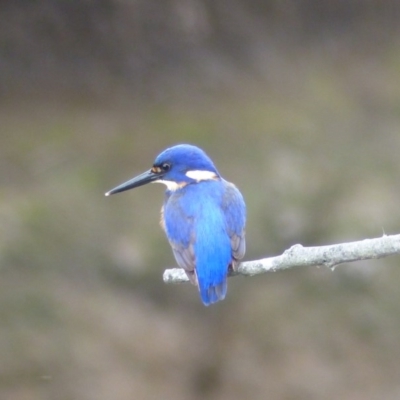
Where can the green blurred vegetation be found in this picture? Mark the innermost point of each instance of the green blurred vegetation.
(298, 105)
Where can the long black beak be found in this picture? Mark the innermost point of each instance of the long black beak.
(142, 179)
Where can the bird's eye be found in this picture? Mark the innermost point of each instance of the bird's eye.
(166, 167)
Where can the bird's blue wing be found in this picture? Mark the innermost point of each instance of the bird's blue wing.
(235, 215)
(178, 226)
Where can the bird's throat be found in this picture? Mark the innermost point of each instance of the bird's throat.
(171, 185)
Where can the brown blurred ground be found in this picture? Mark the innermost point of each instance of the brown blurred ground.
(298, 103)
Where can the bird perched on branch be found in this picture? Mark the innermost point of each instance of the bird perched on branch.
(203, 217)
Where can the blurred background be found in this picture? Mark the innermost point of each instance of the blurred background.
(296, 101)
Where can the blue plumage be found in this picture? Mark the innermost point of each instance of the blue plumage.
(203, 216)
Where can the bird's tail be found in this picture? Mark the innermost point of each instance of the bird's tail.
(213, 293)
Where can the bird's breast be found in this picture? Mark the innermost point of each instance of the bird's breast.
(162, 220)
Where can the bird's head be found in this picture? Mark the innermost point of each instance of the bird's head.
(175, 167)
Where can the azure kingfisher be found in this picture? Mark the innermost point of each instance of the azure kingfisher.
(203, 217)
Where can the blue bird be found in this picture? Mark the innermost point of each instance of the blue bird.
(203, 217)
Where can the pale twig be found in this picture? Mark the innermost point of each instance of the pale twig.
(299, 256)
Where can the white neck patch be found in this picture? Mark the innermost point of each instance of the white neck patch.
(195, 174)
(201, 175)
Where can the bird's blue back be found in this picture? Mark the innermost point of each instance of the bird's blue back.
(204, 223)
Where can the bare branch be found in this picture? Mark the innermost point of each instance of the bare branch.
(299, 256)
